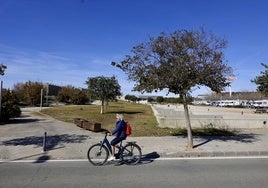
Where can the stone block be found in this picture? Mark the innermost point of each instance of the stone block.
(92, 126)
(78, 122)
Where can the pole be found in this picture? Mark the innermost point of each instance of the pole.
(47, 95)
(41, 100)
(45, 141)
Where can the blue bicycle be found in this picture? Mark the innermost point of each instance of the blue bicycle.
(129, 154)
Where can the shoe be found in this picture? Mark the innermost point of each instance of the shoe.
(116, 156)
(112, 158)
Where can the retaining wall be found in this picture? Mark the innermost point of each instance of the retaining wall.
(215, 122)
(174, 118)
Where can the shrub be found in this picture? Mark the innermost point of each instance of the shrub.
(10, 108)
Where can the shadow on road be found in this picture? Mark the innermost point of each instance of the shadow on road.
(51, 141)
(239, 137)
(145, 159)
(148, 158)
(42, 159)
(24, 121)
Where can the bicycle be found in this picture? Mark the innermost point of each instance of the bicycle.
(129, 154)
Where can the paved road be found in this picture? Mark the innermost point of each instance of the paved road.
(238, 173)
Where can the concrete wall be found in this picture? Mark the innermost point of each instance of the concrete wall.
(201, 117)
(216, 123)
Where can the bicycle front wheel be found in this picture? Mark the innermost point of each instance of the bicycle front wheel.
(97, 154)
(131, 154)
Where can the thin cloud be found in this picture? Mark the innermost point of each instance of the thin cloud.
(29, 65)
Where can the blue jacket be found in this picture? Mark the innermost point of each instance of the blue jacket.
(120, 129)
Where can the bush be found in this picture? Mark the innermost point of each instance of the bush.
(10, 108)
(71, 95)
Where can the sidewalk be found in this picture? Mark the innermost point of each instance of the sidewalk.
(23, 140)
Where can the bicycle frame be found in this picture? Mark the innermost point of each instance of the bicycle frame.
(107, 143)
(125, 153)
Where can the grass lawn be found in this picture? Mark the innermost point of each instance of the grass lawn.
(141, 118)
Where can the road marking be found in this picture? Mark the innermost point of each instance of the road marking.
(211, 158)
(43, 161)
(156, 159)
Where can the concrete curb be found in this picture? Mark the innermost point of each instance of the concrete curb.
(216, 154)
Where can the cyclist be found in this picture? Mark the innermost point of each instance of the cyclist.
(120, 132)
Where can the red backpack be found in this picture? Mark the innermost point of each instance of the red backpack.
(128, 129)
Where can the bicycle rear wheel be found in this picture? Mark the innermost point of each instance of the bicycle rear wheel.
(97, 154)
(131, 154)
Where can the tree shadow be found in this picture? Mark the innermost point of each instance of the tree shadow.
(123, 112)
(23, 121)
(42, 159)
(239, 137)
(51, 141)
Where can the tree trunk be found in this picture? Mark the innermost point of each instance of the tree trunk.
(102, 107)
(188, 122)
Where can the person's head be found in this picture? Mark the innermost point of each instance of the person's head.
(119, 117)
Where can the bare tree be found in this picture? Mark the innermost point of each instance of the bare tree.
(178, 62)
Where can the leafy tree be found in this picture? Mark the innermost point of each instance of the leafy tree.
(10, 108)
(128, 97)
(80, 97)
(104, 89)
(29, 92)
(72, 95)
(150, 99)
(9, 103)
(19, 92)
(65, 94)
(132, 98)
(160, 99)
(178, 100)
(2, 69)
(178, 62)
(262, 81)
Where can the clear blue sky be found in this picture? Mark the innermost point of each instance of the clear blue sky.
(64, 42)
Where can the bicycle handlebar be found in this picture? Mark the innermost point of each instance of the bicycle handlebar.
(107, 133)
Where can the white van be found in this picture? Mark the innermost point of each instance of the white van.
(260, 104)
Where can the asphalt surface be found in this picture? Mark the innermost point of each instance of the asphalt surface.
(23, 139)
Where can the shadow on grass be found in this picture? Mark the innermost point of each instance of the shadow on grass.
(123, 112)
(51, 141)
